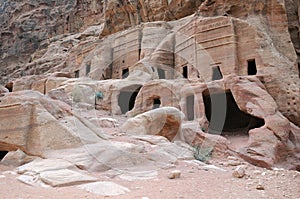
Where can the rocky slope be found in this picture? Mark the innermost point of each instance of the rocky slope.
(26, 24)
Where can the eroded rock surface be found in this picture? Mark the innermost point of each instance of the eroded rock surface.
(125, 88)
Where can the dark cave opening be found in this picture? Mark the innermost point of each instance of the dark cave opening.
(126, 100)
(76, 74)
(235, 121)
(216, 73)
(125, 73)
(156, 103)
(185, 72)
(3, 154)
(161, 73)
(252, 67)
(10, 86)
(87, 68)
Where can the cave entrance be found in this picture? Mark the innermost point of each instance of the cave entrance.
(87, 68)
(185, 72)
(216, 73)
(127, 98)
(3, 154)
(76, 74)
(252, 67)
(156, 103)
(125, 73)
(161, 73)
(236, 122)
(190, 104)
(10, 86)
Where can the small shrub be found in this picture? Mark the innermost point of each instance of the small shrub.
(202, 154)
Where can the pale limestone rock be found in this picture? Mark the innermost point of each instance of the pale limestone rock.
(32, 180)
(105, 188)
(3, 89)
(209, 166)
(260, 187)
(16, 158)
(165, 121)
(174, 174)
(41, 165)
(64, 177)
(239, 172)
(138, 175)
(83, 93)
(105, 122)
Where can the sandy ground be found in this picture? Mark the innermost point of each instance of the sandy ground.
(195, 182)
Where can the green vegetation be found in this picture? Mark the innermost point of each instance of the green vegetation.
(202, 154)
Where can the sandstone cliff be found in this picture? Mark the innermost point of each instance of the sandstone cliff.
(26, 26)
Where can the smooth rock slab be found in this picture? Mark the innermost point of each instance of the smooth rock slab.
(43, 165)
(32, 180)
(105, 188)
(139, 175)
(65, 177)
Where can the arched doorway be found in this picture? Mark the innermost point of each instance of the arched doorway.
(127, 98)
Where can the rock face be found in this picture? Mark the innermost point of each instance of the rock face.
(40, 127)
(130, 13)
(293, 14)
(27, 25)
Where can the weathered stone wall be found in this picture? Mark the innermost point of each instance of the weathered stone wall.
(26, 24)
(168, 92)
(207, 43)
(126, 51)
(246, 46)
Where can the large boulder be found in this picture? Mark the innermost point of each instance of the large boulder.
(165, 121)
(42, 124)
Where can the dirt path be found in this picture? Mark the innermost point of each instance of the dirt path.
(195, 182)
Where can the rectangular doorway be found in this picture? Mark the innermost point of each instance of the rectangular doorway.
(185, 72)
(161, 73)
(252, 67)
(190, 104)
(216, 73)
(125, 73)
